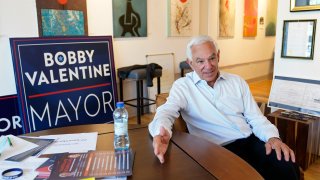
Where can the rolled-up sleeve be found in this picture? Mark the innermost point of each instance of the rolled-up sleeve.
(168, 112)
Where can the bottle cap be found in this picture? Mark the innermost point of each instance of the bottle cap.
(120, 104)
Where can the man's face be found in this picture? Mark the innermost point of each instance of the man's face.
(205, 59)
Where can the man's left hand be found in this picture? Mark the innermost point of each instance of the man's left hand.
(279, 146)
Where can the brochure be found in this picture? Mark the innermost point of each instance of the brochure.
(96, 164)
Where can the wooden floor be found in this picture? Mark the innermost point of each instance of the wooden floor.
(145, 119)
(259, 89)
(313, 172)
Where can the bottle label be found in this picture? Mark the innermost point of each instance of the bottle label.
(120, 128)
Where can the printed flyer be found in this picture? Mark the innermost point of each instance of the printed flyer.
(96, 164)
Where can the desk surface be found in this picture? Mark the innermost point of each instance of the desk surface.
(188, 157)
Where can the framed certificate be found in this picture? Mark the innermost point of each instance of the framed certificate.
(304, 5)
(298, 38)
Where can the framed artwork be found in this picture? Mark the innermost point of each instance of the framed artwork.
(304, 5)
(129, 18)
(226, 18)
(271, 17)
(180, 18)
(298, 39)
(62, 18)
(62, 22)
(250, 18)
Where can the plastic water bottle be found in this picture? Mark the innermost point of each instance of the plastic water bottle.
(121, 137)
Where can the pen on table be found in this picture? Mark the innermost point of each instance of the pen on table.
(9, 141)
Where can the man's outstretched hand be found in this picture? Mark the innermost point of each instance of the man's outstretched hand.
(161, 143)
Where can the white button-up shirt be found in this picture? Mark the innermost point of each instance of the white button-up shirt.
(221, 114)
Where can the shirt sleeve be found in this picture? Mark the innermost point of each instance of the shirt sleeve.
(260, 125)
(167, 113)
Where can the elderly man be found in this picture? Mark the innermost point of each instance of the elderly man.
(219, 107)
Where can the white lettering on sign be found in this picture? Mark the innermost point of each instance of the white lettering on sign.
(68, 74)
(71, 57)
(15, 121)
(91, 109)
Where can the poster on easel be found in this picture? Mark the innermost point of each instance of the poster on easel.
(295, 94)
(64, 81)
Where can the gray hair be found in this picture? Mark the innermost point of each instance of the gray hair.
(199, 40)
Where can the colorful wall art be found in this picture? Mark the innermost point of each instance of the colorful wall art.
(271, 17)
(179, 17)
(62, 22)
(129, 18)
(226, 18)
(250, 18)
(62, 18)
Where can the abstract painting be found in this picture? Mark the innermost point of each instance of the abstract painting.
(271, 17)
(62, 17)
(62, 22)
(250, 18)
(179, 17)
(129, 18)
(226, 18)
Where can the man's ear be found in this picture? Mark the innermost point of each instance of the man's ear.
(190, 63)
(218, 55)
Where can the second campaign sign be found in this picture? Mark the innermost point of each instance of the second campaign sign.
(64, 81)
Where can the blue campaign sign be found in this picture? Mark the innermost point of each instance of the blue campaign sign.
(10, 121)
(64, 81)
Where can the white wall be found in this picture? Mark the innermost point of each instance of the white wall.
(239, 49)
(291, 67)
(18, 19)
(248, 57)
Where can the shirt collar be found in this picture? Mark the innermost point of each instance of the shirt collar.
(196, 79)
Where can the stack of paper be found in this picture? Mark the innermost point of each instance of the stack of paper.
(21, 153)
(41, 145)
(18, 146)
(72, 143)
(28, 164)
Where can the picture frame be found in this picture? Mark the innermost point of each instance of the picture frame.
(180, 18)
(68, 19)
(129, 18)
(227, 14)
(304, 5)
(250, 18)
(298, 39)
